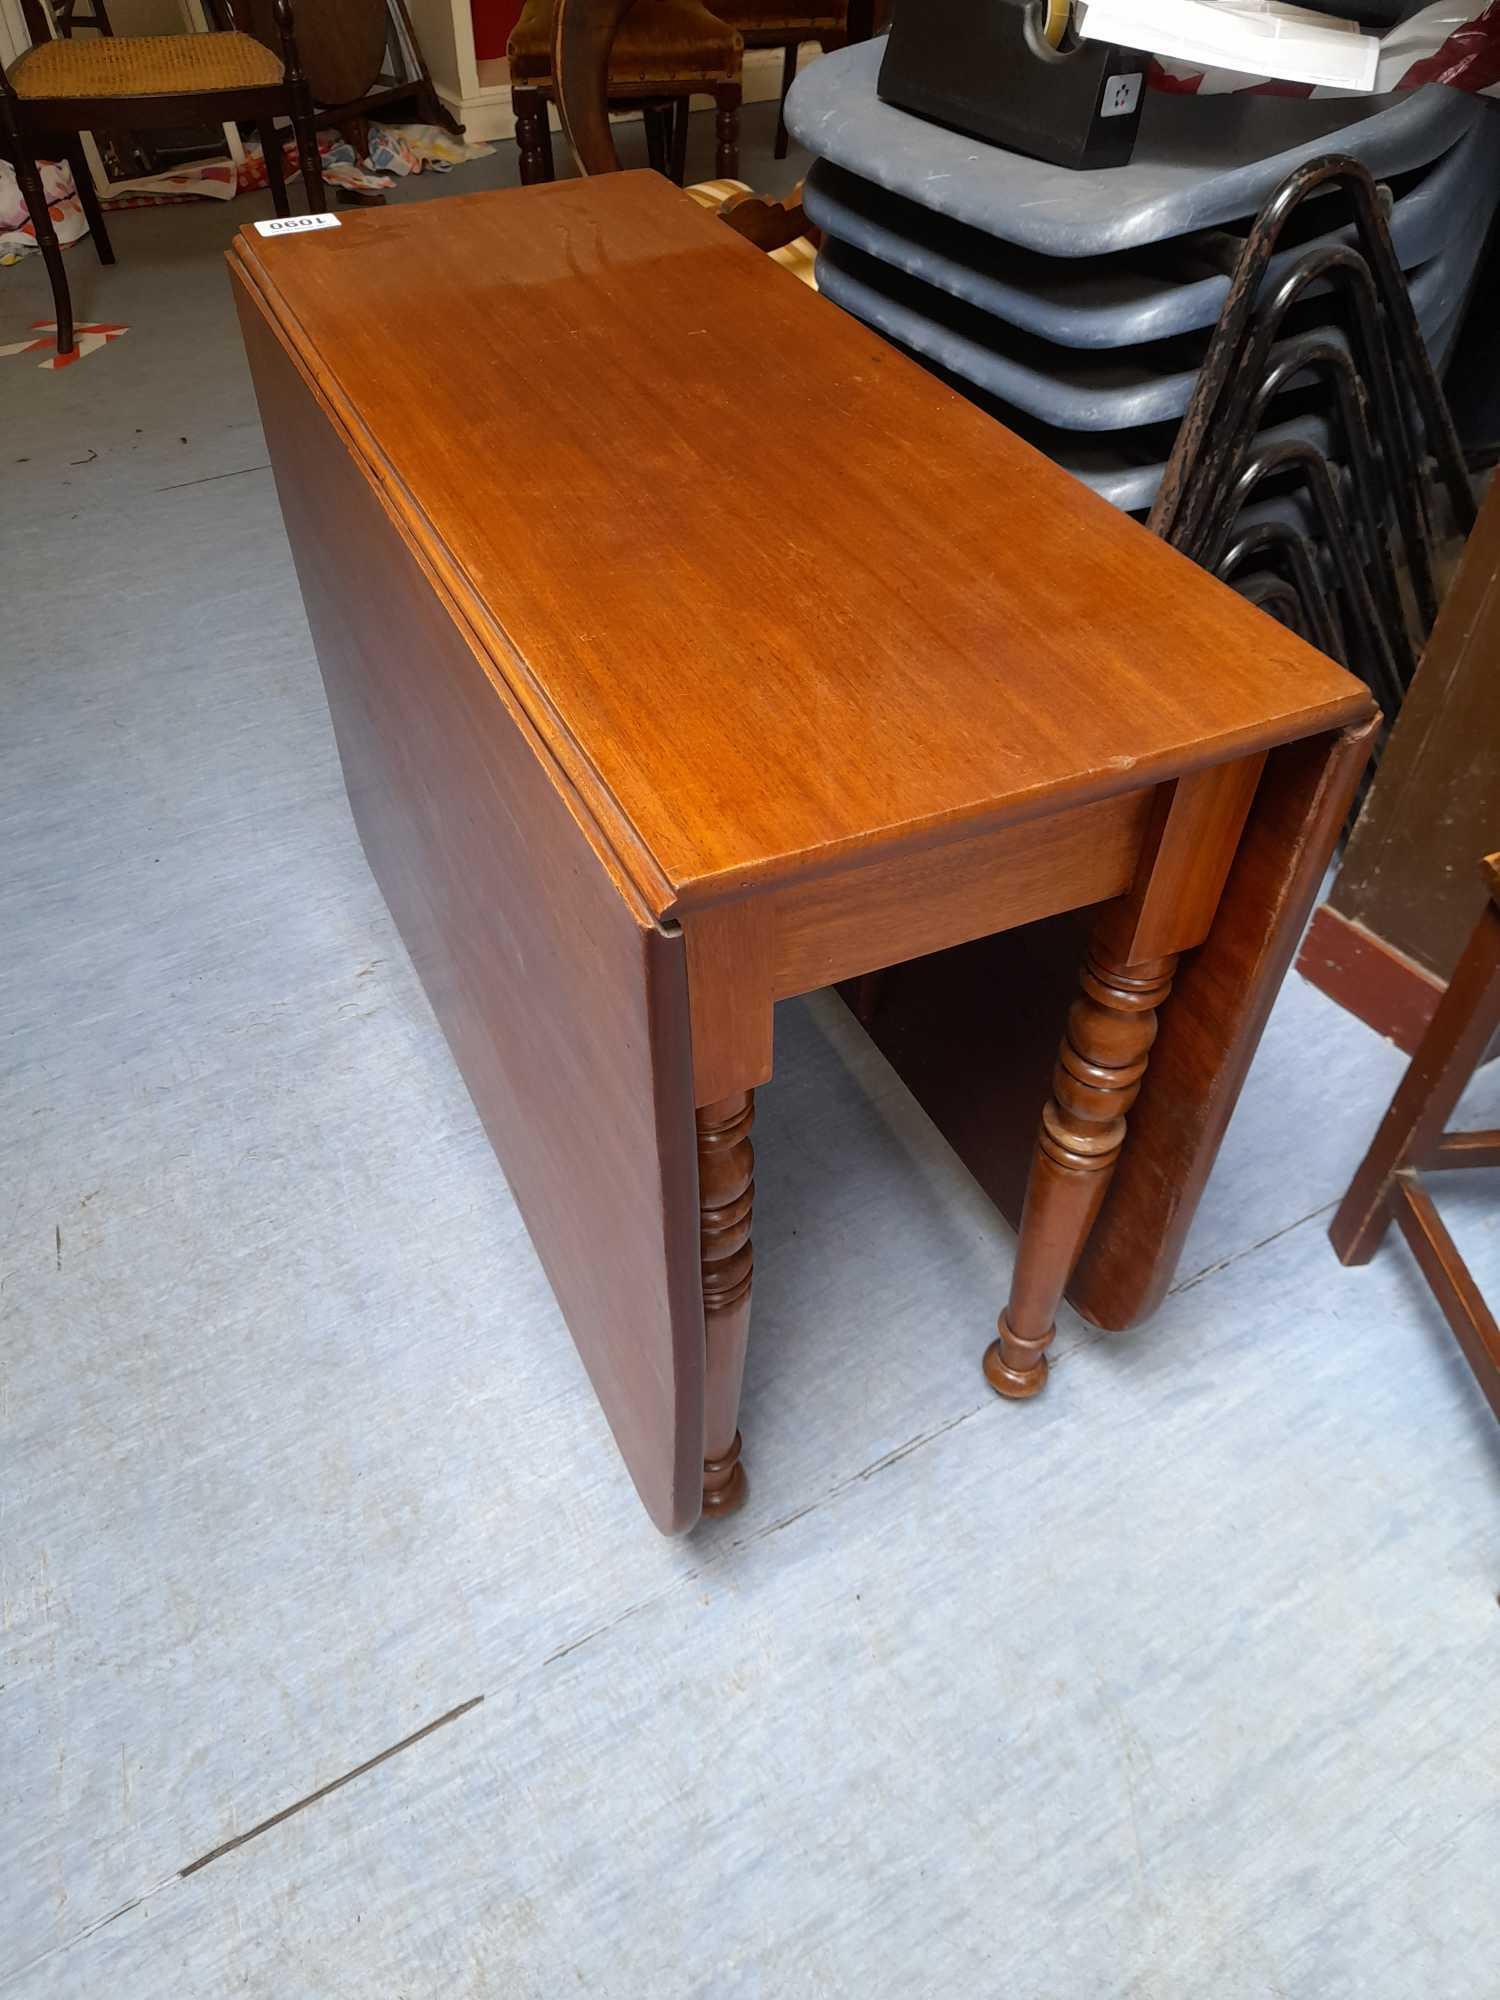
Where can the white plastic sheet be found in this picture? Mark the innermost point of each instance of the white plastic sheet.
(1236, 45)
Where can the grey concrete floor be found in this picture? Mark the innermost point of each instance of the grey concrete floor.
(338, 1656)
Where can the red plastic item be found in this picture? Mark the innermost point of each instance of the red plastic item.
(493, 21)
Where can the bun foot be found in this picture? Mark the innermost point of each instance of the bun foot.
(1017, 1383)
(725, 1486)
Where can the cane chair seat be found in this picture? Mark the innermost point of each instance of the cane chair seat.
(144, 66)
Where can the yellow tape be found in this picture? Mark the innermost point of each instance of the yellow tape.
(1057, 21)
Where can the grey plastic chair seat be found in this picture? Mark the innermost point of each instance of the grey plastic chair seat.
(1448, 284)
(1199, 162)
(1118, 301)
(1127, 468)
(1122, 467)
(1105, 466)
(1070, 388)
(1112, 464)
(1132, 488)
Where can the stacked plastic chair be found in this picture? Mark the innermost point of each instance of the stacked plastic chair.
(1079, 307)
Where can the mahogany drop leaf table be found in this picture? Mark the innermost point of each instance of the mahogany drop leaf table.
(688, 648)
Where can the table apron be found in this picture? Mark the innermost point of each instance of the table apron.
(903, 906)
(744, 956)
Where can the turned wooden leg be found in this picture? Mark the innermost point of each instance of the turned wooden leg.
(726, 1195)
(1103, 1058)
(1190, 841)
(727, 132)
(530, 108)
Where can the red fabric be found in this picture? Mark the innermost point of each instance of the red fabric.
(1470, 57)
(1189, 86)
(493, 21)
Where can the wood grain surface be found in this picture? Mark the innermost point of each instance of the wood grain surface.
(341, 43)
(1413, 1139)
(1413, 1134)
(770, 593)
(897, 908)
(1369, 978)
(513, 916)
(1406, 896)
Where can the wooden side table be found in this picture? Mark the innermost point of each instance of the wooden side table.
(688, 649)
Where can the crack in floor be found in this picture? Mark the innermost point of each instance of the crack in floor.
(333, 1785)
(208, 478)
(1237, 1256)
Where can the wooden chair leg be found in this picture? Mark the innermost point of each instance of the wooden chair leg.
(544, 140)
(655, 118)
(356, 131)
(868, 990)
(432, 110)
(270, 145)
(726, 1197)
(1452, 1282)
(1104, 1054)
(88, 198)
(681, 112)
(727, 132)
(531, 123)
(788, 78)
(29, 180)
(1410, 1134)
(305, 126)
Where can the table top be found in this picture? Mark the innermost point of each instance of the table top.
(769, 594)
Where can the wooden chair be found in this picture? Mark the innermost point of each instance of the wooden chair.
(660, 55)
(67, 17)
(1412, 1141)
(60, 89)
(771, 24)
(583, 38)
